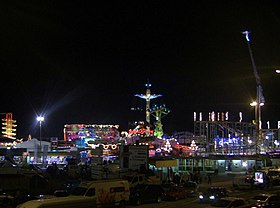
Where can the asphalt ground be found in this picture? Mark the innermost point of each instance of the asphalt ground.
(220, 179)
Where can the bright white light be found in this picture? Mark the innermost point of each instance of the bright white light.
(266, 137)
(254, 103)
(212, 197)
(277, 71)
(246, 33)
(268, 125)
(40, 118)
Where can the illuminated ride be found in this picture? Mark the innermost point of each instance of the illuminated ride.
(9, 126)
(148, 97)
(159, 112)
(92, 136)
(9, 139)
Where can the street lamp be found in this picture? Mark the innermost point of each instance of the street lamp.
(257, 104)
(40, 119)
(257, 114)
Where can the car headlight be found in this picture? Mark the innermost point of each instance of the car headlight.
(212, 197)
(200, 196)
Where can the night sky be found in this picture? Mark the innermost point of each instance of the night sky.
(83, 61)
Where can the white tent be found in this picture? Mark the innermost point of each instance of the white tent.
(33, 144)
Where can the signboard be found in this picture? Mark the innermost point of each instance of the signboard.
(166, 163)
(138, 156)
(259, 177)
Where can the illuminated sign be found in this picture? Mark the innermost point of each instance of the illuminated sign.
(139, 131)
(259, 177)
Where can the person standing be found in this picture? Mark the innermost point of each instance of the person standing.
(209, 178)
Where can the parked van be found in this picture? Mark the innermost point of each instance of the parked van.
(100, 193)
(106, 192)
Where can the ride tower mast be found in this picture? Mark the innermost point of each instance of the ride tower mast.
(148, 97)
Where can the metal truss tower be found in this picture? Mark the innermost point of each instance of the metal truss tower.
(225, 136)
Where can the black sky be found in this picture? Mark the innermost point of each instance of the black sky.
(83, 61)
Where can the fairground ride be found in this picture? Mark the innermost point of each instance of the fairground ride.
(158, 111)
(148, 97)
(9, 126)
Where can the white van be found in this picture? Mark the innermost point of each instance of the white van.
(100, 193)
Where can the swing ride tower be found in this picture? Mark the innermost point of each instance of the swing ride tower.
(148, 97)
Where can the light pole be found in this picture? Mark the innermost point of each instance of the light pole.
(257, 105)
(40, 119)
(257, 111)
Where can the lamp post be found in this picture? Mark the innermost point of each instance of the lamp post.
(257, 105)
(40, 119)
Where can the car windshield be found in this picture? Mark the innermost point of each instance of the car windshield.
(260, 198)
(140, 187)
(79, 191)
(221, 203)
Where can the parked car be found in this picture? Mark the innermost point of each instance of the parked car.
(212, 194)
(6, 199)
(230, 202)
(147, 193)
(191, 188)
(174, 192)
(266, 200)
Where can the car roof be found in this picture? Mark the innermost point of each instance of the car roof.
(216, 188)
(232, 198)
(266, 194)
